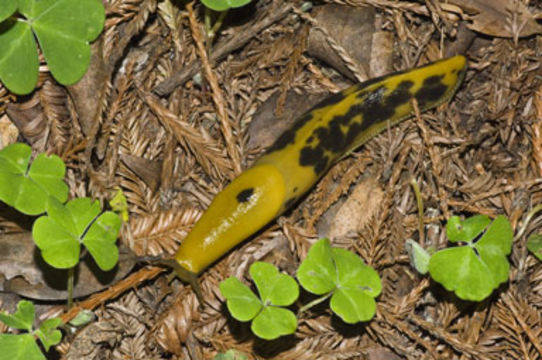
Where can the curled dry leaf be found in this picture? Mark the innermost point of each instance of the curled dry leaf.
(147, 170)
(503, 18)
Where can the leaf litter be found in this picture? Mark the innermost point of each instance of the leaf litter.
(142, 103)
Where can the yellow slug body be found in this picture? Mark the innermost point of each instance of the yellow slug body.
(300, 156)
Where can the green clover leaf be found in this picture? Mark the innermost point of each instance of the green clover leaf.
(353, 284)
(269, 321)
(28, 189)
(49, 333)
(19, 347)
(473, 271)
(60, 233)
(222, 5)
(22, 319)
(63, 28)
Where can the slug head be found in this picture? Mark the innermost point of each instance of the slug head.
(242, 208)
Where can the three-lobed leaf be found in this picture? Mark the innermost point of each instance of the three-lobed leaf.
(269, 321)
(22, 319)
(28, 189)
(473, 271)
(63, 28)
(354, 284)
(60, 233)
(48, 332)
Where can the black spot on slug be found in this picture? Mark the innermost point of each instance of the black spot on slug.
(288, 137)
(431, 90)
(245, 195)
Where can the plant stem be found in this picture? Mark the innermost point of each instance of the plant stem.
(71, 275)
(210, 31)
(419, 201)
(314, 303)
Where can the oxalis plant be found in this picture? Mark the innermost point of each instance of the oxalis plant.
(63, 29)
(331, 273)
(37, 187)
(477, 265)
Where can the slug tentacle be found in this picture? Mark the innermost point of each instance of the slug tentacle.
(300, 156)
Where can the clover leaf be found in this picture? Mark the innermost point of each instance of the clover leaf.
(269, 321)
(352, 284)
(474, 270)
(222, 5)
(48, 332)
(63, 29)
(534, 244)
(60, 233)
(23, 346)
(28, 188)
(22, 319)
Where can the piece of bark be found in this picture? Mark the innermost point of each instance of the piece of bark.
(350, 27)
(27, 274)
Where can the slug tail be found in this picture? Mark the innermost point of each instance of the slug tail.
(185, 275)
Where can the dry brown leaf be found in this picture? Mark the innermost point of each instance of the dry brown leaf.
(356, 211)
(502, 18)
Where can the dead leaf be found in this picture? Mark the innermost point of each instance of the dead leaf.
(496, 17)
(353, 214)
(27, 274)
(147, 170)
(349, 27)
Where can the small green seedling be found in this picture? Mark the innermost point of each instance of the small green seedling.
(419, 257)
(534, 244)
(60, 233)
(269, 319)
(342, 275)
(222, 6)
(478, 267)
(28, 187)
(23, 346)
(63, 29)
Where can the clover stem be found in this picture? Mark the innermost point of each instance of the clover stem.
(314, 303)
(528, 218)
(210, 31)
(419, 202)
(71, 275)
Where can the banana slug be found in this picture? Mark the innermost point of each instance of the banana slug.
(302, 155)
